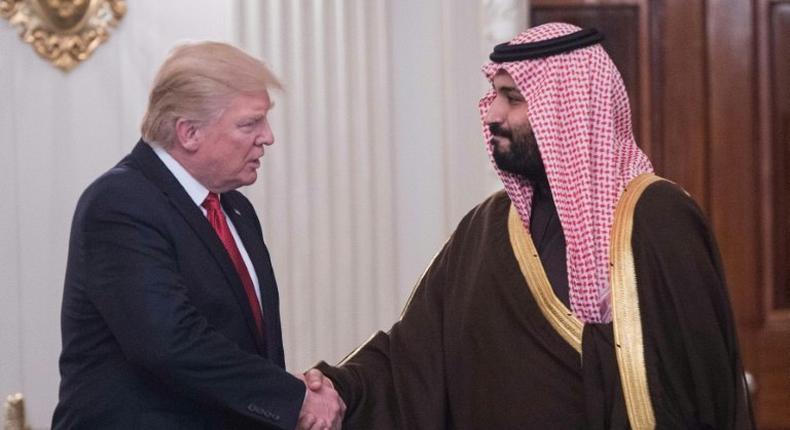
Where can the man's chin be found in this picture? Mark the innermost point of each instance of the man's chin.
(251, 178)
(504, 164)
(248, 178)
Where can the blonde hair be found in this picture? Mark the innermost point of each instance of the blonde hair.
(196, 82)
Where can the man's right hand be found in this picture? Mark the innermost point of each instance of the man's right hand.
(322, 408)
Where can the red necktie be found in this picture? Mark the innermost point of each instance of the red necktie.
(217, 220)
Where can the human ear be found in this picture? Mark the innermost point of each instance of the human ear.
(187, 134)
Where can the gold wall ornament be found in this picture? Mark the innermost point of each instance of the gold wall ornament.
(15, 413)
(64, 32)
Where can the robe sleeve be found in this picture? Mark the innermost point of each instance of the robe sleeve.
(694, 369)
(396, 380)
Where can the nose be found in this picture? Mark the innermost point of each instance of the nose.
(494, 114)
(266, 137)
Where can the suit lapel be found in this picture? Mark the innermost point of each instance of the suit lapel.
(259, 256)
(158, 173)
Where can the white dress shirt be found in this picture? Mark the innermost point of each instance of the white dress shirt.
(197, 192)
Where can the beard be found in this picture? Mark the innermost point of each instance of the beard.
(522, 157)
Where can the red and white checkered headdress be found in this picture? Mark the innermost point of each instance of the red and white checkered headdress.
(578, 108)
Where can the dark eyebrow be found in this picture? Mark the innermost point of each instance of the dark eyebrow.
(510, 92)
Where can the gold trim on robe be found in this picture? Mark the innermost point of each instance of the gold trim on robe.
(627, 323)
(558, 315)
(626, 318)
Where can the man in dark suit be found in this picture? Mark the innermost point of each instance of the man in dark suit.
(170, 307)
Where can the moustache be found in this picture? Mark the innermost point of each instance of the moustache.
(498, 131)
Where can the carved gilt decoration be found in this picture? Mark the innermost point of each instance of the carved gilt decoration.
(64, 32)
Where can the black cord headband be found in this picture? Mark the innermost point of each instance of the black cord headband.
(544, 48)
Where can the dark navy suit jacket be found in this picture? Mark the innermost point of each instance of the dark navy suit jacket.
(157, 331)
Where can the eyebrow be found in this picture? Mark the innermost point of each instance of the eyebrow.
(254, 118)
(510, 91)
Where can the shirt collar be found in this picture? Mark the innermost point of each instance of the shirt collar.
(197, 192)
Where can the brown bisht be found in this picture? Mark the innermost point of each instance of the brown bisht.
(477, 347)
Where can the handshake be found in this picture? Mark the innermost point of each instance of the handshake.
(323, 408)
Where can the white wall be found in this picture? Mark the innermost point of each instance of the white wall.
(378, 154)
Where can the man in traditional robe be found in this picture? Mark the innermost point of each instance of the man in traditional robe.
(589, 293)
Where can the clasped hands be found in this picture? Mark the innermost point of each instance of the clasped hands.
(323, 408)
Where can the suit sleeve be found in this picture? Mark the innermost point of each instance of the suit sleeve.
(134, 281)
(693, 363)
